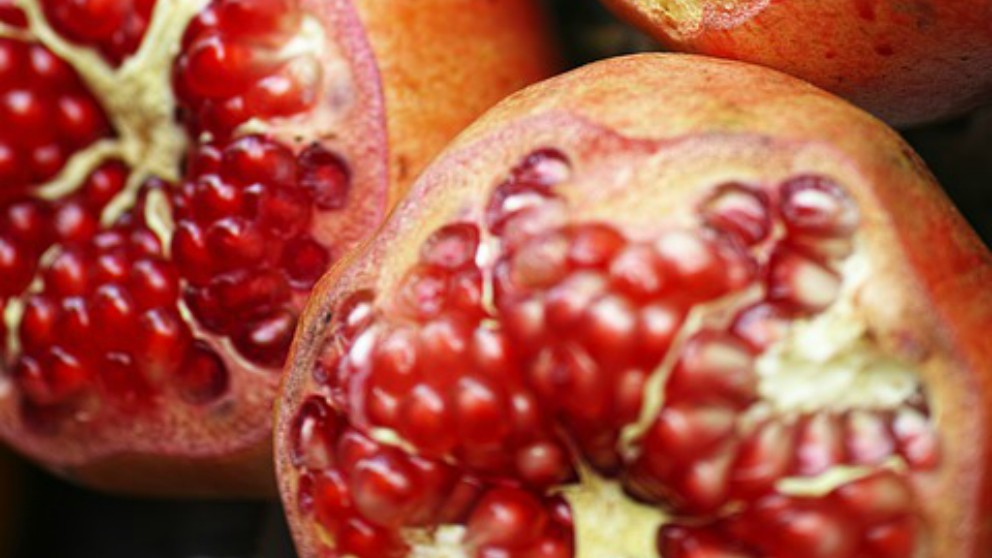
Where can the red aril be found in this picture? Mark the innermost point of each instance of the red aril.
(660, 306)
(175, 177)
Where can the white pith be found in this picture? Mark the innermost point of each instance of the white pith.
(713, 314)
(608, 523)
(447, 541)
(831, 363)
(13, 312)
(137, 98)
(832, 479)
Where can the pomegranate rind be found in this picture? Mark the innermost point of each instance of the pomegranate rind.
(905, 63)
(431, 93)
(702, 121)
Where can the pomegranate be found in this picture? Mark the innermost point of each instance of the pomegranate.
(174, 178)
(907, 62)
(659, 306)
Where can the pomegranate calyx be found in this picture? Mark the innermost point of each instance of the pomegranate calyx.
(608, 523)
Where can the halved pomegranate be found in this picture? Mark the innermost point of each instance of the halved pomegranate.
(174, 178)
(660, 306)
(907, 62)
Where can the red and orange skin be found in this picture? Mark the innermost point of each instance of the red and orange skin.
(928, 298)
(908, 62)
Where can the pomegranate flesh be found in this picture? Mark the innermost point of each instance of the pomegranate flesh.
(174, 178)
(659, 306)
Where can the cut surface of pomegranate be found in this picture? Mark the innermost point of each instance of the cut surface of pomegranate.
(607, 325)
(174, 179)
(905, 62)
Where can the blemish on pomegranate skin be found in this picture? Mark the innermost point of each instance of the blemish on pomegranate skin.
(884, 49)
(866, 9)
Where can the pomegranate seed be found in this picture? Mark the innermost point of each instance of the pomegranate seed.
(594, 245)
(257, 159)
(395, 361)
(37, 328)
(480, 410)
(451, 247)
(879, 498)
(868, 439)
(202, 378)
(638, 272)
(384, 489)
(893, 540)
(79, 119)
(255, 18)
(820, 444)
(214, 68)
(331, 498)
(325, 175)
(686, 431)
(267, 341)
(162, 340)
(763, 324)
(543, 167)
(506, 517)
(609, 330)
(425, 420)
(738, 211)
(315, 431)
(800, 282)
(817, 206)
(916, 439)
(153, 284)
(714, 367)
(362, 540)
(763, 458)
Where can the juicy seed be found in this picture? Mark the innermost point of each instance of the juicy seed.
(506, 518)
(47, 115)
(497, 404)
(817, 206)
(801, 282)
(243, 242)
(325, 175)
(738, 211)
(231, 67)
(114, 27)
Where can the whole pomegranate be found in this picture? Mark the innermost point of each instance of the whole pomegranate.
(174, 178)
(660, 306)
(907, 61)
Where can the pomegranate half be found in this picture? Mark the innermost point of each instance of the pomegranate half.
(907, 62)
(660, 306)
(174, 178)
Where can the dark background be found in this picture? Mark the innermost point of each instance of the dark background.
(57, 520)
